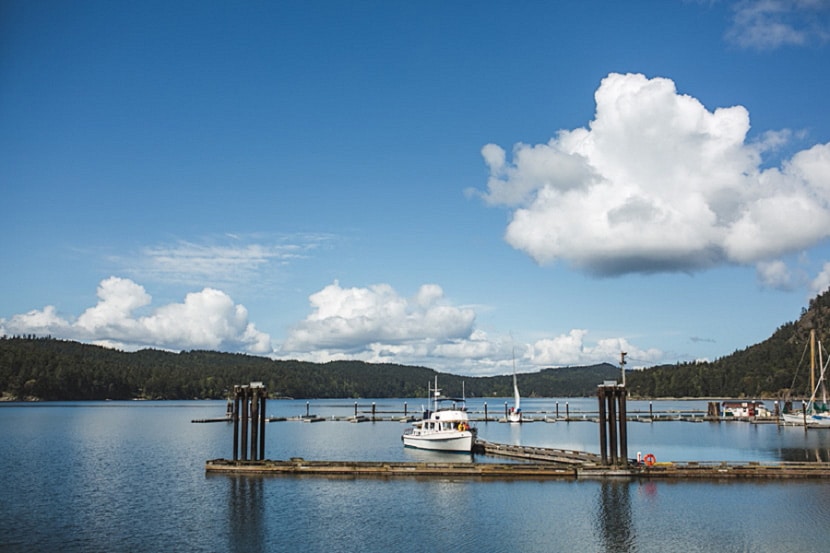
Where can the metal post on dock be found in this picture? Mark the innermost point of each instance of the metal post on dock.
(623, 427)
(603, 435)
(235, 417)
(262, 398)
(613, 434)
(245, 418)
(485, 411)
(254, 426)
(249, 408)
(612, 425)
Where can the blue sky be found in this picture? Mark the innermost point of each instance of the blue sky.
(429, 183)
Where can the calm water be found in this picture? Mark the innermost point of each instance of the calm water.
(129, 476)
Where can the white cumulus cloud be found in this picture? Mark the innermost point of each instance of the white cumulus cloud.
(353, 318)
(206, 320)
(572, 349)
(376, 324)
(656, 183)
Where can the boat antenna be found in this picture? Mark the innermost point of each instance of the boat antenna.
(622, 366)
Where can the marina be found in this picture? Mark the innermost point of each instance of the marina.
(527, 461)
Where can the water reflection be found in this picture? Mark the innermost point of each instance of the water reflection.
(613, 516)
(245, 514)
(805, 455)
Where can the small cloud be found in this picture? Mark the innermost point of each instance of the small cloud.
(821, 283)
(774, 274)
(771, 24)
(658, 183)
(229, 260)
(572, 349)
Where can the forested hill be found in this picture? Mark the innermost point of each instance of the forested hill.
(778, 367)
(34, 368)
(47, 369)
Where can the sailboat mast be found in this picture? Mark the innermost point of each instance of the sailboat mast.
(813, 360)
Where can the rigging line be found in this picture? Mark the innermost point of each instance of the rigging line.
(803, 354)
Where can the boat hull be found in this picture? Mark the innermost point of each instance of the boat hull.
(461, 442)
(798, 419)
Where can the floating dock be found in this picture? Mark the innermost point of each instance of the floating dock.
(538, 463)
(518, 471)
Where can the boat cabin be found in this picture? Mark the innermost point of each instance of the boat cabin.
(744, 409)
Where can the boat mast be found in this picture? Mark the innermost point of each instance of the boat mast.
(812, 362)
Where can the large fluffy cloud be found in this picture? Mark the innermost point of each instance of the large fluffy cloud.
(658, 183)
(206, 320)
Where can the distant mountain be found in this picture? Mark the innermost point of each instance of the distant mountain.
(778, 367)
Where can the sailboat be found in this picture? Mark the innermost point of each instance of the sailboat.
(515, 414)
(815, 413)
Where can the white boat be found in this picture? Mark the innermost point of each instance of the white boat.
(444, 427)
(815, 414)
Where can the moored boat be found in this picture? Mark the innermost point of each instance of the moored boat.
(444, 427)
(515, 414)
(815, 413)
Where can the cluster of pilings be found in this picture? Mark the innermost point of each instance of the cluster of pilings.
(249, 409)
(612, 424)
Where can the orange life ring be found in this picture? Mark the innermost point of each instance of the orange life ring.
(649, 459)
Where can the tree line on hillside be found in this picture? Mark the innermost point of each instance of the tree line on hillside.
(778, 367)
(48, 369)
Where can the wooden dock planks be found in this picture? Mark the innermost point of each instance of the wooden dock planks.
(530, 462)
(515, 471)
